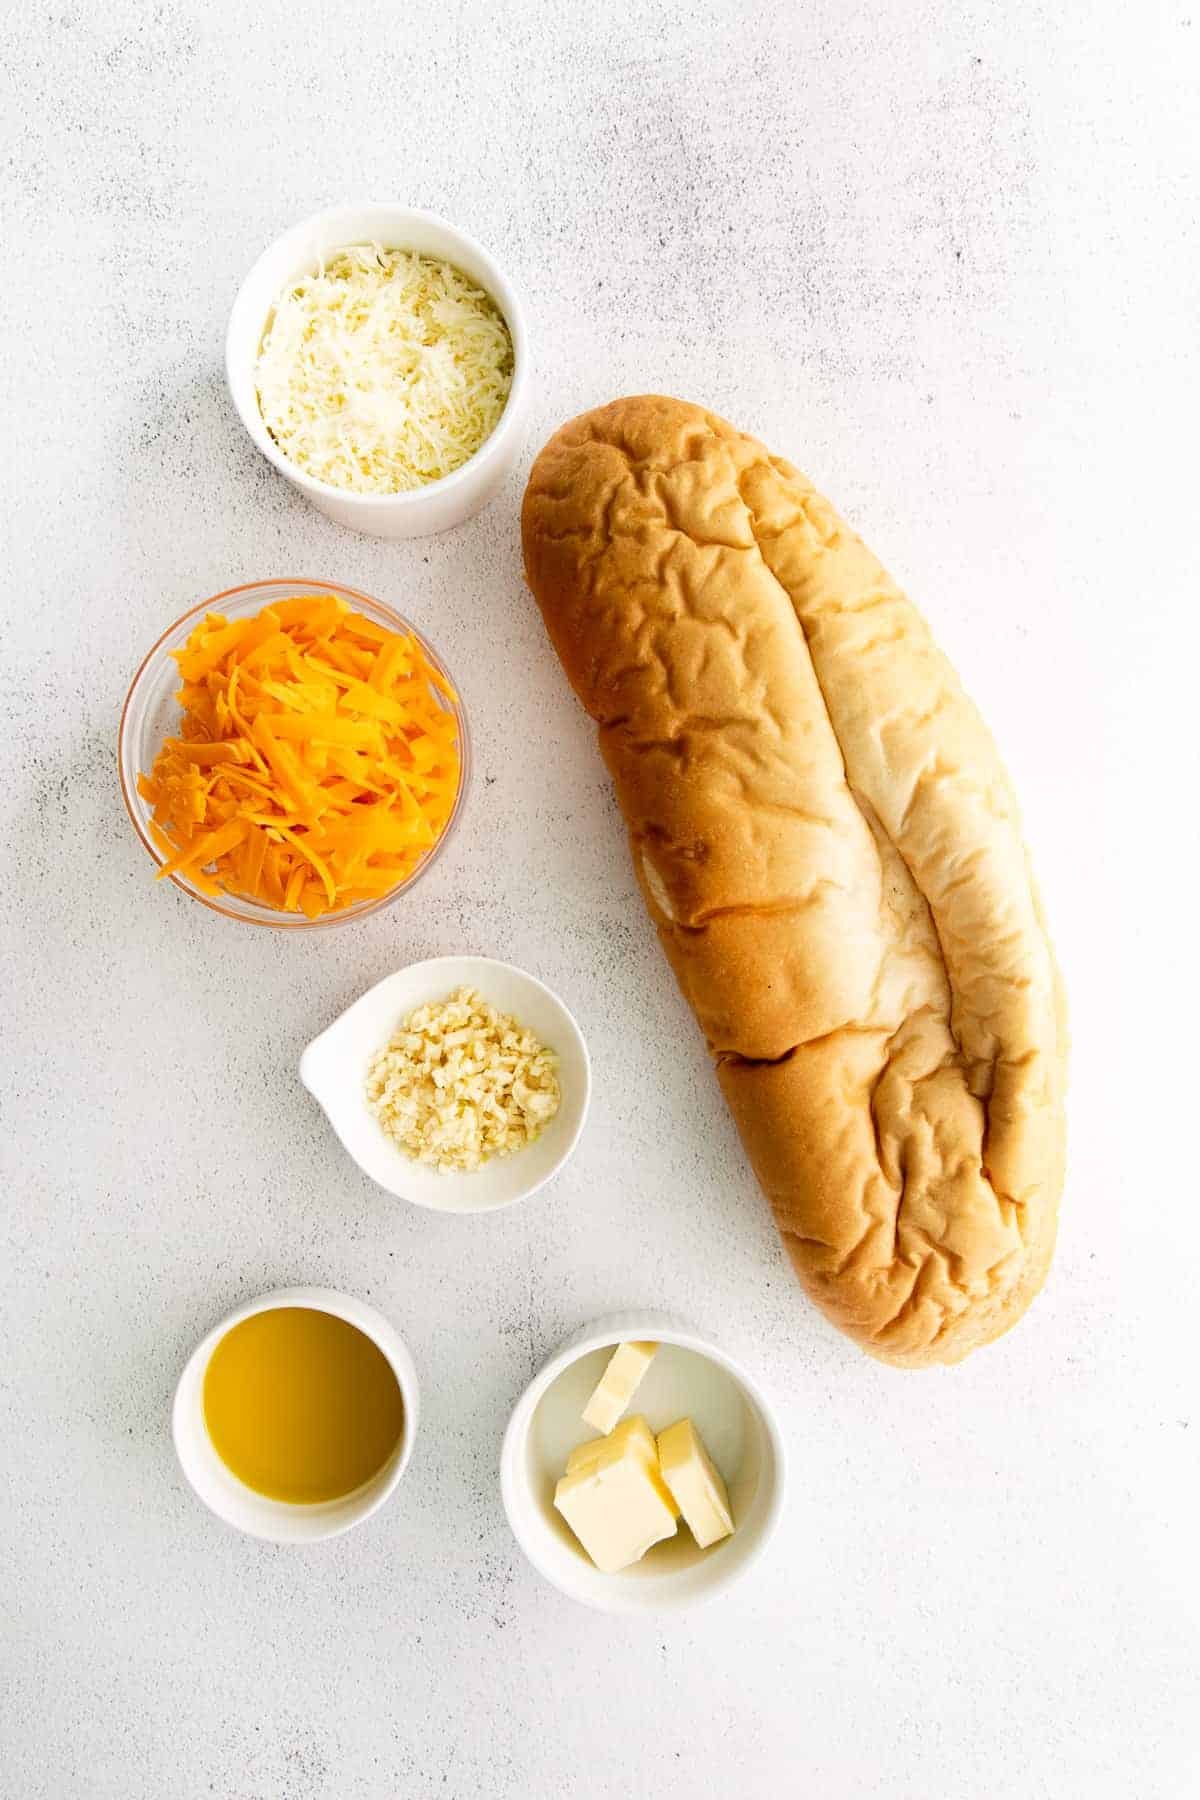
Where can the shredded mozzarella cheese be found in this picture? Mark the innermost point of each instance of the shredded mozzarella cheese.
(384, 370)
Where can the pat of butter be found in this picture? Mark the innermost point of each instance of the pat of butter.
(614, 1499)
(616, 1387)
(632, 1435)
(695, 1482)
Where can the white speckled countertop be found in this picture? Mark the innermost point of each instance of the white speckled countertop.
(942, 253)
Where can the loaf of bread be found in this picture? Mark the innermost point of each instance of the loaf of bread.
(832, 854)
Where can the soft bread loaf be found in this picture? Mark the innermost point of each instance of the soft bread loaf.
(832, 854)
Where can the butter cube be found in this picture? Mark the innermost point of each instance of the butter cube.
(615, 1501)
(631, 1434)
(695, 1482)
(615, 1389)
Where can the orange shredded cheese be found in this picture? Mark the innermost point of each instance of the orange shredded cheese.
(316, 764)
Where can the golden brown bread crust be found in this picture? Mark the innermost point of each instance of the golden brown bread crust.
(832, 853)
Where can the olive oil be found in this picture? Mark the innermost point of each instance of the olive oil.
(302, 1406)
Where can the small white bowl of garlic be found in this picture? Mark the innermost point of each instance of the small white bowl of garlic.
(510, 1067)
(379, 359)
(679, 1382)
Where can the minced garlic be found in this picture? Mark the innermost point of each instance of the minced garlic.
(459, 1083)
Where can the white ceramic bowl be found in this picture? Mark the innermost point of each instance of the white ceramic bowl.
(689, 1377)
(441, 504)
(334, 1068)
(240, 1506)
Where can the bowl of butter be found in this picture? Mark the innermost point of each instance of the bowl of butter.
(642, 1468)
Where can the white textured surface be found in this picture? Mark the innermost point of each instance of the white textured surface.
(944, 255)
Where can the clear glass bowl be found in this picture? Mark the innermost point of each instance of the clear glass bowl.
(152, 713)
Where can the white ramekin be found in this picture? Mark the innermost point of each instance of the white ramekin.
(729, 1407)
(441, 504)
(334, 1070)
(240, 1506)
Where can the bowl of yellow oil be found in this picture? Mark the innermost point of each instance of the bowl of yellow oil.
(295, 1418)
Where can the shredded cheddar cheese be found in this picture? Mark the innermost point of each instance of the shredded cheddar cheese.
(316, 764)
(384, 370)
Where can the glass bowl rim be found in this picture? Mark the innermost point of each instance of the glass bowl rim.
(271, 918)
